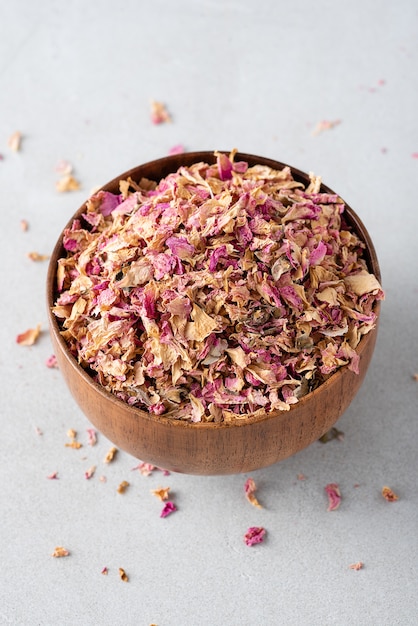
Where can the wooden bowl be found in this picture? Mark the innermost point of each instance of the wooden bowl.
(211, 448)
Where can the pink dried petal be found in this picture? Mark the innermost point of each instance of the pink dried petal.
(89, 472)
(250, 488)
(334, 496)
(105, 571)
(53, 476)
(414, 155)
(52, 362)
(178, 149)
(255, 534)
(356, 566)
(24, 225)
(29, 337)
(159, 113)
(145, 469)
(91, 433)
(169, 508)
(325, 125)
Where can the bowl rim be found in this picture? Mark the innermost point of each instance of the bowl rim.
(173, 162)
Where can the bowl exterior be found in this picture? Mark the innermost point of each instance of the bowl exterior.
(225, 448)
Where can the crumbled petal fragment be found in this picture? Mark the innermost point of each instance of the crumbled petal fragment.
(301, 477)
(52, 362)
(178, 149)
(67, 183)
(92, 435)
(325, 125)
(36, 256)
(24, 225)
(29, 337)
(415, 376)
(123, 486)
(255, 534)
(334, 496)
(38, 431)
(331, 434)
(110, 455)
(72, 435)
(250, 488)
(145, 469)
(169, 508)
(389, 495)
(102, 479)
(105, 571)
(220, 292)
(123, 575)
(356, 566)
(415, 155)
(59, 552)
(89, 472)
(53, 476)
(64, 168)
(161, 493)
(159, 113)
(15, 141)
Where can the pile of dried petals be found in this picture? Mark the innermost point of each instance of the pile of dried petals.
(222, 291)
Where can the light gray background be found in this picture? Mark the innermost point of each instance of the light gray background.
(76, 79)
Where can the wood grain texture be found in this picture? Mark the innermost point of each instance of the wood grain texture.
(211, 448)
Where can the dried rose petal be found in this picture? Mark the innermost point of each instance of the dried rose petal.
(103, 479)
(38, 431)
(301, 477)
(24, 225)
(389, 495)
(325, 125)
(334, 496)
(76, 445)
(63, 167)
(29, 337)
(53, 476)
(52, 362)
(161, 493)
(89, 472)
(415, 376)
(414, 155)
(145, 469)
(92, 436)
(169, 508)
(123, 486)
(178, 149)
(159, 113)
(67, 183)
(123, 575)
(14, 141)
(255, 534)
(250, 488)
(35, 256)
(60, 552)
(105, 571)
(110, 455)
(356, 566)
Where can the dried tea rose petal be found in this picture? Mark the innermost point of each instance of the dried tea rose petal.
(123, 575)
(105, 571)
(250, 488)
(415, 376)
(161, 493)
(52, 362)
(76, 445)
(29, 337)
(123, 486)
(389, 495)
(53, 476)
(24, 225)
(255, 534)
(169, 508)
(356, 566)
(35, 256)
(159, 113)
(178, 149)
(15, 140)
(145, 469)
(334, 496)
(110, 456)
(63, 167)
(325, 125)
(67, 183)
(92, 436)
(301, 477)
(89, 472)
(60, 551)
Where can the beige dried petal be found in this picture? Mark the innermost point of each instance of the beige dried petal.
(123, 575)
(356, 566)
(60, 552)
(24, 225)
(14, 141)
(389, 495)
(110, 455)
(161, 493)
(29, 337)
(159, 113)
(71, 433)
(362, 283)
(35, 256)
(123, 486)
(76, 445)
(67, 183)
(201, 327)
